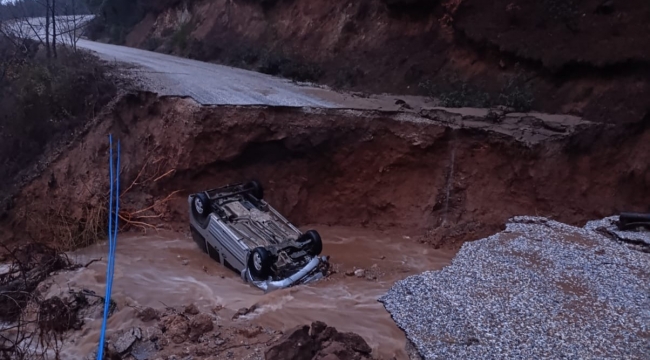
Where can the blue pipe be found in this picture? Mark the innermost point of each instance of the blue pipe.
(112, 241)
(115, 222)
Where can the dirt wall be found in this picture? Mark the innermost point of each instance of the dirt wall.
(377, 170)
(588, 58)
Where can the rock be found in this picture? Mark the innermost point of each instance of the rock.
(354, 342)
(185, 262)
(250, 333)
(322, 342)
(335, 351)
(176, 327)
(191, 309)
(382, 257)
(296, 344)
(127, 339)
(217, 308)
(153, 333)
(349, 273)
(359, 273)
(244, 311)
(326, 334)
(200, 325)
(148, 314)
(317, 327)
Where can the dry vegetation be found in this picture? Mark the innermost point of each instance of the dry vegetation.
(44, 102)
(33, 325)
(42, 99)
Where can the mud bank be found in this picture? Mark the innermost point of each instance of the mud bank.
(443, 177)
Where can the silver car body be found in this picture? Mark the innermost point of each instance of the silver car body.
(237, 223)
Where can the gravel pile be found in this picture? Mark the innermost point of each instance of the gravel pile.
(639, 239)
(539, 289)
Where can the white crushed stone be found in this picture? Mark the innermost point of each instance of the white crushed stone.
(539, 289)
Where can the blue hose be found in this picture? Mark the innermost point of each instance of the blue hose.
(112, 240)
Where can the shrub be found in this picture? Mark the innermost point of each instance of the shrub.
(180, 38)
(458, 94)
(514, 94)
(41, 100)
(278, 64)
(152, 43)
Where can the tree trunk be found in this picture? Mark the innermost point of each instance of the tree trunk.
(54, 27)
(47, 28)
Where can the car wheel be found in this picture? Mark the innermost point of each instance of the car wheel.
(201, 209)
(256, 189)
(259, 263)
(315, 244)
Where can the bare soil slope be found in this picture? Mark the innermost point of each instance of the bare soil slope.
(588, 58)
(441, 181)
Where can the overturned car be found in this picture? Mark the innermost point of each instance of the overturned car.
(236, 227)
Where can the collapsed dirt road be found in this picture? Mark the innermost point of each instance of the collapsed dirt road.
(212, 84)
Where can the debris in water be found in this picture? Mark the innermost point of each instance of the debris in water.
(200, 324)
(244, 311)
(148, 314)
(191, 309)
(127, 339)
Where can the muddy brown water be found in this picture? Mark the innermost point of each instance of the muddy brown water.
(149, 271)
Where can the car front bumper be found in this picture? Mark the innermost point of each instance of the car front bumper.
(309, 273)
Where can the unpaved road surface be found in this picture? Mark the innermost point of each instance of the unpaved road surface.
(212, 84)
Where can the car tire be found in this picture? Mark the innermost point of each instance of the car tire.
(259, 263)
(315, 246)
(201, 209)
(256, 189)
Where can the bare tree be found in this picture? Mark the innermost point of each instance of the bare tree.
(26, 17)
(53, 27)
(70, 26)
(61, 23)
(47, 28)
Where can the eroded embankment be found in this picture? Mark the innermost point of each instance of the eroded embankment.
(442, 176)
